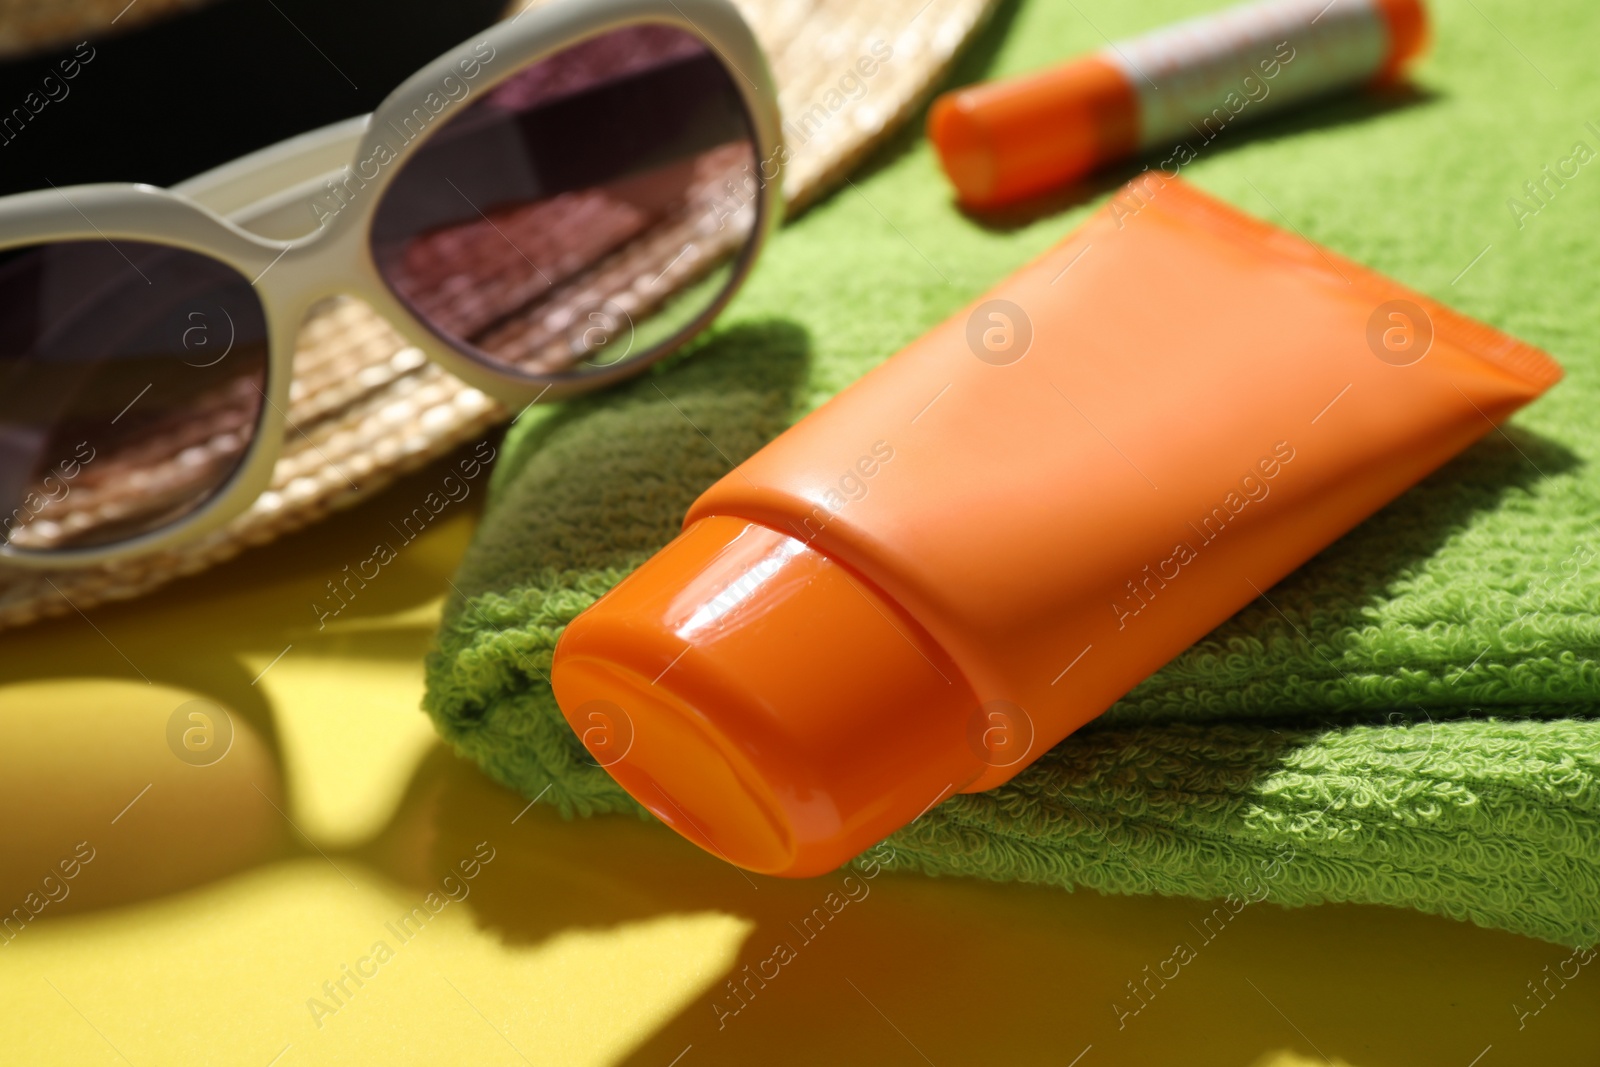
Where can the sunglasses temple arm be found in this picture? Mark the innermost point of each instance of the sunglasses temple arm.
(251, 186)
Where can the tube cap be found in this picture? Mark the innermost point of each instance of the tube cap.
(767, 703)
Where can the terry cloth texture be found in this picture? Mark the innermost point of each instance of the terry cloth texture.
(1410, 719)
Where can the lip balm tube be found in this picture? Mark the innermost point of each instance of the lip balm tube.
(982, 544)
(1181, 85)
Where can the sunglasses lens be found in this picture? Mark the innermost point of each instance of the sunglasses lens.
(132, 379)
(580, 213)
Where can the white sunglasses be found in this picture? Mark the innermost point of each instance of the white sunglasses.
(546, 209)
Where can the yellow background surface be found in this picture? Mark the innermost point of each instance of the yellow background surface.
(221, 898)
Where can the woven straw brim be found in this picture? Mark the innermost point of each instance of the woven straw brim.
(366, 408)
(28, 26)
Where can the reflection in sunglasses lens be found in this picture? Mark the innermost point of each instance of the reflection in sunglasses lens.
(580, 212)
(132, 378)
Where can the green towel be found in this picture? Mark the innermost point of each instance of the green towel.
(1409, 719)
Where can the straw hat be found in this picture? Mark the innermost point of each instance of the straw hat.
(367, 408)
(39, 25)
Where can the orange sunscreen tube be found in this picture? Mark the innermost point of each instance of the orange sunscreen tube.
(1176, 88)
(986, 541)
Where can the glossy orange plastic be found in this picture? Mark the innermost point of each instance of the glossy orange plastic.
(1007, 140)
(753, 745)
(1011, 139)
(1407, 22)
(987, 540)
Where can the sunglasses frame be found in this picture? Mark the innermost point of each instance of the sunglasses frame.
(256, 215)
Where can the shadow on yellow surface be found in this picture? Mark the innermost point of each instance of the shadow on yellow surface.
(337, 887)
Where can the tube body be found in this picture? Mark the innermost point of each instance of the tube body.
(1045, 498)
(1177, 87)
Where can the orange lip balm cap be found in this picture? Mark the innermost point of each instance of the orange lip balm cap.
(1006, 140)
